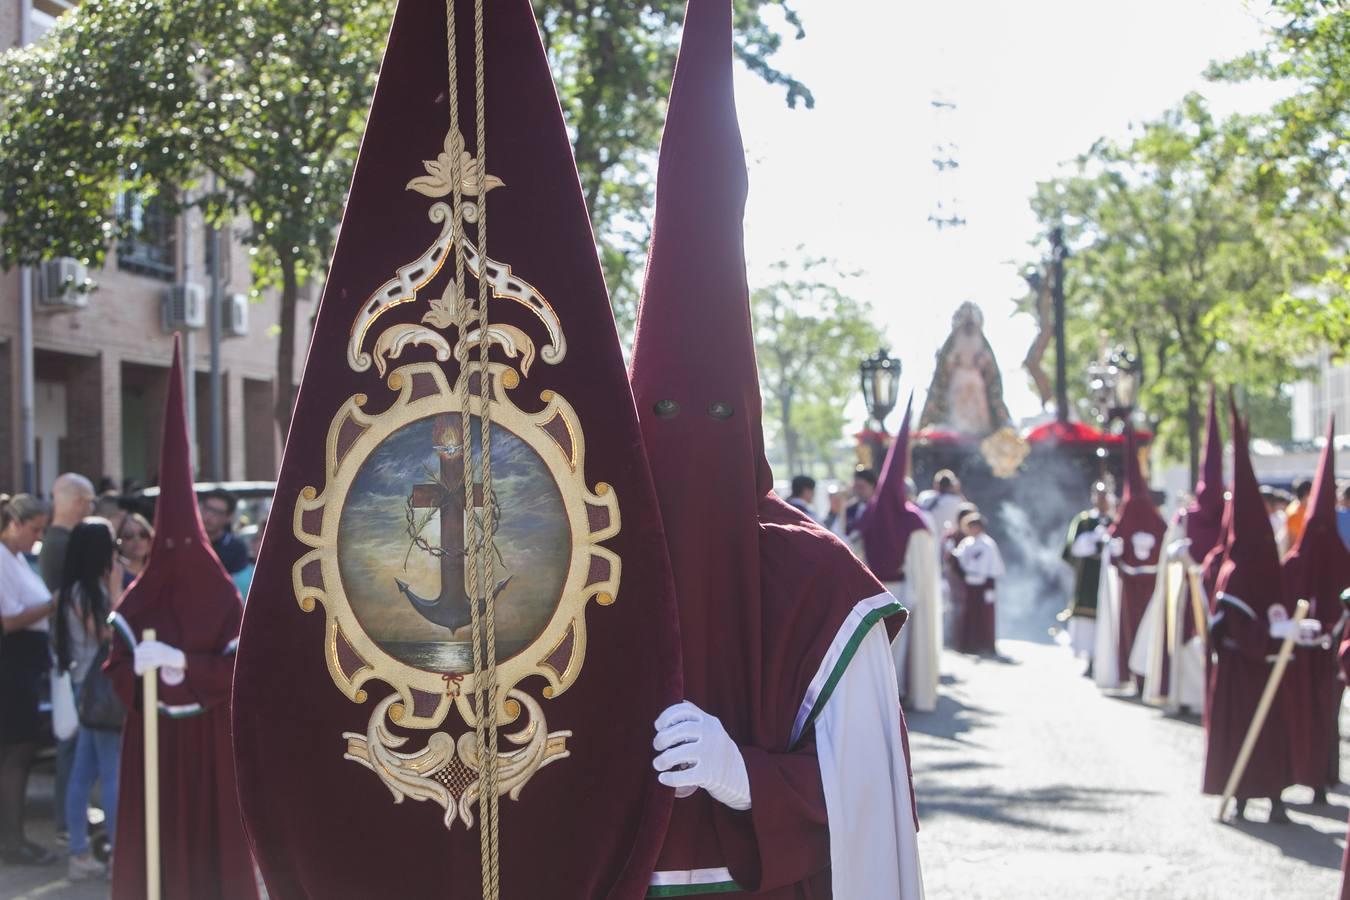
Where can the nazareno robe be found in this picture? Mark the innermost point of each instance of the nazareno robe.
(1137, 548)
(785, 634)
(981, 566)
(898, 548)
(1248, 586)
(1344, 660)
(1317, 569)
(187, 597)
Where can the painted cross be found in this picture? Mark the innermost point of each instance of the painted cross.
(450, 608)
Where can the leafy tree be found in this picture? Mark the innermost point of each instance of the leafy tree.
(809, 337)
(257, 106)
(266, 97)
(1170, 255)
(613, 61)
(1303, 147)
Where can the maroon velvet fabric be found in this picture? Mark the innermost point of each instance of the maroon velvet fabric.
(762, 590)
(1317, 569)
(1242, 644)
(975, 623)
(1204, 516)
(1344, 661)
(186, 596)
(891, 518)
(589, 825)
(1137, 515)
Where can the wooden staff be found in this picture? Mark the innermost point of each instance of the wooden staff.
(150, 718)
(1262, 709)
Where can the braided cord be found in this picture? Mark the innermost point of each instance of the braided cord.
(478, 562)
(489, 794)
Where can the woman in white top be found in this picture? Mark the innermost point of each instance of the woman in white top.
(25, 605)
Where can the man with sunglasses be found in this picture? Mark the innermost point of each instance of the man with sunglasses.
(217, 508)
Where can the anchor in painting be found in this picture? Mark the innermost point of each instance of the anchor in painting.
(450, 609)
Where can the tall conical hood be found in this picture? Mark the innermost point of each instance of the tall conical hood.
(694, 352)
(763, 591)
(178, 521)
(1204, 516)
(358, 620)
(890, 518)
(184, 590)
(1318, 567)
(1251, 571)
(1139, 524)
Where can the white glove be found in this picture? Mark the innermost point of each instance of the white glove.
(1179, 549)
(171, 662)
(1309, 633)
(1117, 547)
(1283, 629)
(695, 751)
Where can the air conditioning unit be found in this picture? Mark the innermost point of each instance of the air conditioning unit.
(235, 315)
(64, 285)
(184, 307)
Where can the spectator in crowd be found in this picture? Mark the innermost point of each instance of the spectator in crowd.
(1297, 510)
(91, 585)
(25, 607)
(72, 499)
(803, 495)
(864, 486)
(942, 502)
(133, 544)
(244, 577)
(218, 508)
(1343, 513)
(109, 507)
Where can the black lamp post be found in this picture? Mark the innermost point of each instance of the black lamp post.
(1128, 374)
(880, 377)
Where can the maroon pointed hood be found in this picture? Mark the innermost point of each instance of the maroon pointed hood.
(1250, 575)
(1318, 568)
(763, 591)
(1204, 516)
(694, 351)
(1138, 516)
(184, 591)
(891, 518)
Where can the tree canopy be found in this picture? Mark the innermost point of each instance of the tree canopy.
(1216, 249)
(809, 336)
(257, 106)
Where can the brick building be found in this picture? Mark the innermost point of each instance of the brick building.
(101, 368)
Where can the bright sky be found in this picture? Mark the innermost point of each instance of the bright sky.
(1035, 84)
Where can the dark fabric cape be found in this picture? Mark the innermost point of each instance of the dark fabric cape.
(1344, 660)
(763, 591)
(1317, 569)
(1248, 585)
(589, 825)
(187, 597)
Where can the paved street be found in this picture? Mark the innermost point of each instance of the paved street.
(1032, 784)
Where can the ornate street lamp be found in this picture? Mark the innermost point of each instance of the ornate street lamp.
(1128, 372)
(880, 374)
